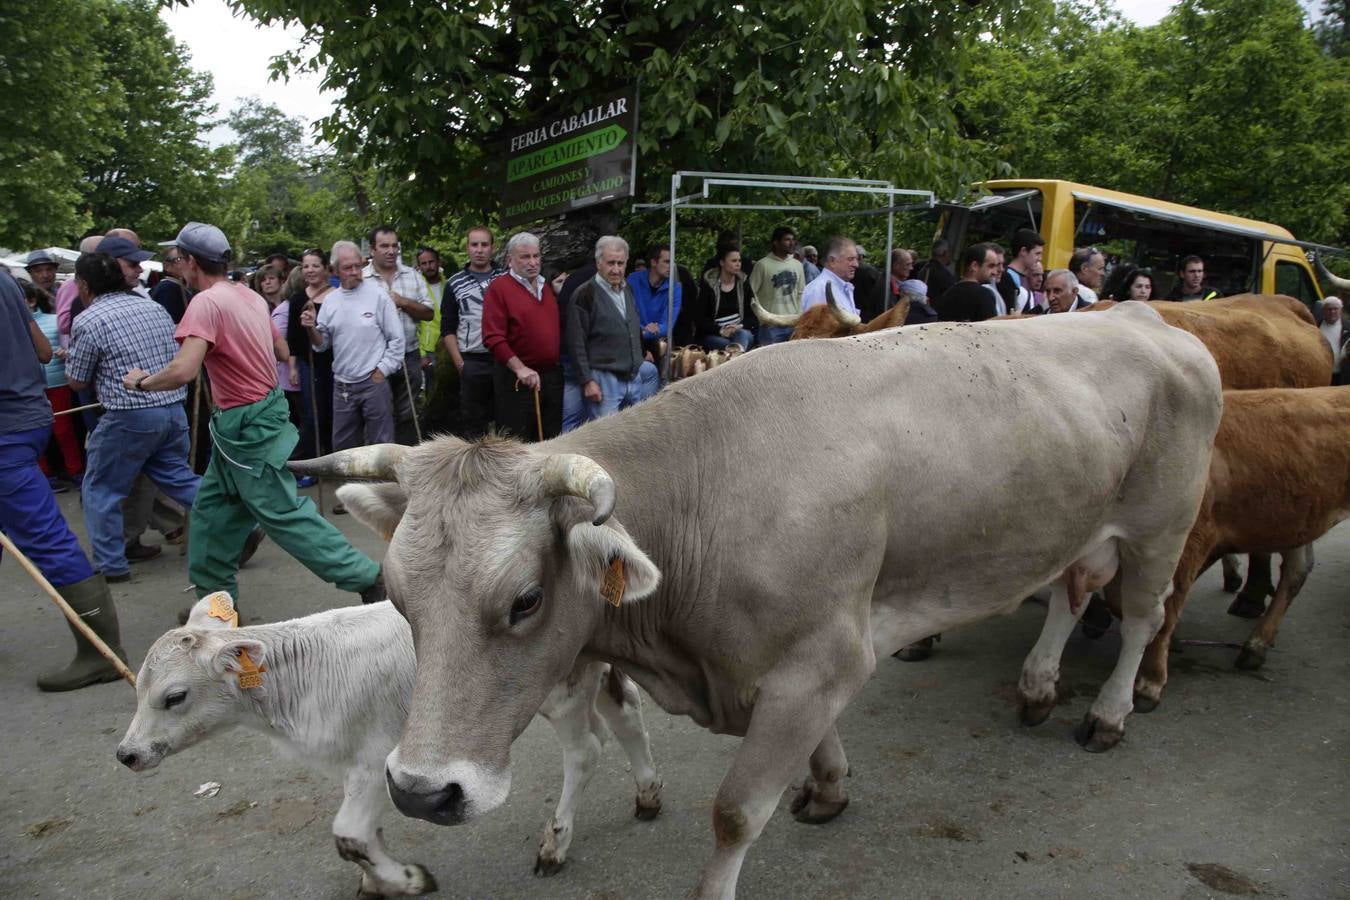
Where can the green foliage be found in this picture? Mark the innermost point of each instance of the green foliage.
(801, 87)
(104, 121)
(1225, 104)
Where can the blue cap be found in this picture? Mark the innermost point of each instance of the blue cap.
(40, 258)
(122, 248)
(203, 241)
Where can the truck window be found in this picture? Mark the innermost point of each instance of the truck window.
(1292, 279)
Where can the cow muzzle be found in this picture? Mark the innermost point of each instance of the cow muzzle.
(443, 807)
(138, 759)
(451, 795)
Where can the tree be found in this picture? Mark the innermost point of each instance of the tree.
(803, 86)
(51, 107)
(104, 123)
(1225, 104)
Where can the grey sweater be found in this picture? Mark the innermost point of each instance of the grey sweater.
(598, 337)
(363, 329)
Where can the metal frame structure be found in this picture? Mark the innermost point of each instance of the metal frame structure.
(712, 180)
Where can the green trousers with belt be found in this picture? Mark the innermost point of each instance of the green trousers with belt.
(246, 482)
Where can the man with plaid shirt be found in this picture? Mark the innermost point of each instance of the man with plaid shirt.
(138, 432)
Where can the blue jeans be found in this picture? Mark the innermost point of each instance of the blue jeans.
(773, 334)
(615, 393)
(29, 514)
(126, 443)
(717, 342)
(650, 376)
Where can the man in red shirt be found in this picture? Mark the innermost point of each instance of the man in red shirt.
(228, 327)
(523, 331)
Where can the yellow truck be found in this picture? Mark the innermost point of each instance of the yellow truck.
(1241, 255)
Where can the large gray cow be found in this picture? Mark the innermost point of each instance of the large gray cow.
(922, 478)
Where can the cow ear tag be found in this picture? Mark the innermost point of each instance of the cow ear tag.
(250, 674)
(611, 589)
(222, 608)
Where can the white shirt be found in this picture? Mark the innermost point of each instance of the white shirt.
(1335, 333)
(1086, 295)
(407, 283)
(814, 294)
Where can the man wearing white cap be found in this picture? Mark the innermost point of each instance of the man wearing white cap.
(228, 328)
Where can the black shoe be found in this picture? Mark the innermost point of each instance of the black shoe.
(117, 579)
(255, 537)
(374, 593)
(138, 552)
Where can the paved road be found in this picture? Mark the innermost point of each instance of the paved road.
(1248, 774)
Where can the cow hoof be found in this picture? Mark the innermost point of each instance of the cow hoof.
(1144, 703)
(547, 867)
(416, 880)
(1246, 606)
(646, 813)
(915, 652)
(1096, 736)
(1251, 659)
(1033, 714)
(810, 809)
(1232, 583)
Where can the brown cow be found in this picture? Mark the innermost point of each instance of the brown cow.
(1278, 480)
(1259, 341)
(829, 321)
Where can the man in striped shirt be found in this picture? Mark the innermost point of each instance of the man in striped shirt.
(462, 334)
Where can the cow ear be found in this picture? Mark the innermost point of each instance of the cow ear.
(379, 507)
(596, 548)
(213, 612)
(228, 660)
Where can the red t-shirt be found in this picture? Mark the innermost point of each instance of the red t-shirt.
(236, 323)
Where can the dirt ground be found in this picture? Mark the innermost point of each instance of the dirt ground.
(1236, 785)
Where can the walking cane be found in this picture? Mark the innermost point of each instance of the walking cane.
(196, 420)
(69, 613)
(314, 412)
(407, 383)
(538, 418)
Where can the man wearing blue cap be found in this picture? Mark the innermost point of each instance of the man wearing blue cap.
(228, 328)
(41, 267)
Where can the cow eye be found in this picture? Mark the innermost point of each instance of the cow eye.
(526, 605)
(172, 700)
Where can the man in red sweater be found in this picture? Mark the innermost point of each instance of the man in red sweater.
(522, 329)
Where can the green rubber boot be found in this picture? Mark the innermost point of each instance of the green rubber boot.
(93, 601)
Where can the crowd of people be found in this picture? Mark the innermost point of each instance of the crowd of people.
(340, 349)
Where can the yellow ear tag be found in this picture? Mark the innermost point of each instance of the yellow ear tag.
(250, 675)
(222, 608)
(611, 589)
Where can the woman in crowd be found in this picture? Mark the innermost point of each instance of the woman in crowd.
(314, 370)
(1130, 283)
(267, 281)
(724, 303)
(59, 393)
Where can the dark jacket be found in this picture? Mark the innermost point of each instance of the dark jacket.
(710, 294)
(297, 338)
(598, 338)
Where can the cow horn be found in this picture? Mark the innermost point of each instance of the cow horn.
(580, 476)
(767, 318)
(375, 462)
(848, 320)
(1342, 285)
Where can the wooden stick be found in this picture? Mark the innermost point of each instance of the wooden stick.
(538, 418)
(75, 409)
(196, 420)
(314, 411)
(412, 404)
(69, 613)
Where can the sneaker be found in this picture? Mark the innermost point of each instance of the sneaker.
(57, 485)
(176, 536)
(138, 552)
(306, 481)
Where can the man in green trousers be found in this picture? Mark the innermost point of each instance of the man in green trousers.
(228, 328)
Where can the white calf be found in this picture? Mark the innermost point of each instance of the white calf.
(333, 688)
